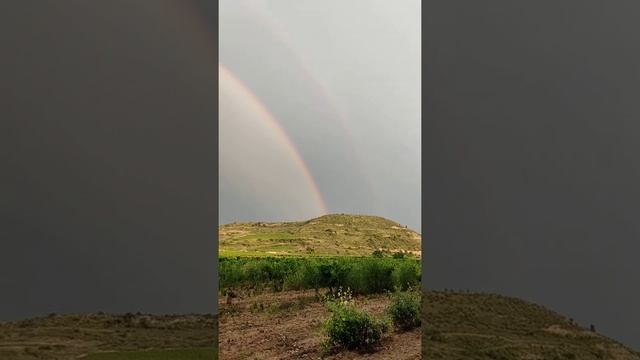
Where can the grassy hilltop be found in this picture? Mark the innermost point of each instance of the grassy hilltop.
(329, 235)
(485, 326)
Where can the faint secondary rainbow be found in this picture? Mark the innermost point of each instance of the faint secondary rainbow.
(316, 83)
(187, 10)
(225, 74)
(283, 36)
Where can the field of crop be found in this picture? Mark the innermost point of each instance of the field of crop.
(289, 307)
(363, 275)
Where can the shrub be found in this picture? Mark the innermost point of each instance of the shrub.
(295, 280)
(338, 275)
(352, 328)
(305, 276)
(369, 277)
(324, 271)
(405, 310)
(406, 275)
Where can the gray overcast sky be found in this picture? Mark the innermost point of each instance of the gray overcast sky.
(107, 146)
(531, 147)
(343, 81)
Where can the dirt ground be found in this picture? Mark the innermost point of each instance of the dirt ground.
(288, 325)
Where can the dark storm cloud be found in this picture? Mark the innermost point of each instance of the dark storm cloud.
(109, 166)
(531, 138)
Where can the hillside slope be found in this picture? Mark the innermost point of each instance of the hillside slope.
(485, 326)
(326, 235)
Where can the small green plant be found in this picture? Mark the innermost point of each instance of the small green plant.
(349, 327)
(405, 310)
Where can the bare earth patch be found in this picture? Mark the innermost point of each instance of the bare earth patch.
(288, 325)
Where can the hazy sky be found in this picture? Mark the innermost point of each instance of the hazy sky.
(531, 144)
(341, 81)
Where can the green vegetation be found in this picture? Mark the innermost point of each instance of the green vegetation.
(351, 328)
(364, 275)
(329, 235)
(485, 326)
(185, 354)
(365, 254)
(406, 274)
(405, 310)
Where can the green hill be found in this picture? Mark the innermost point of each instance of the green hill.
(328, 235)
(484, 326)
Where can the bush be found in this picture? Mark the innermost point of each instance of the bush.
(405, 310)
(406, 275)
(370, 277)
(305, 276)
(351, 328)
(295, 280)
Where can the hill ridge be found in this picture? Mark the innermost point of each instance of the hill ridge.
(330, 234)
(317, 218)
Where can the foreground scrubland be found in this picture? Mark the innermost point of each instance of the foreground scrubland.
(320, 307)
(110, 337)
(291, 325)
(338, 286)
